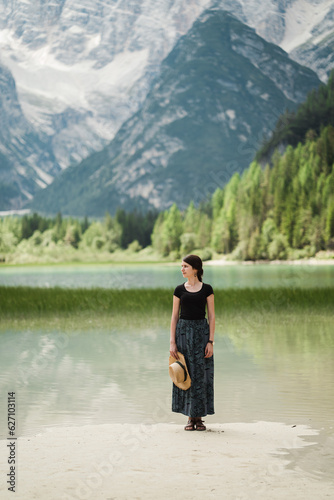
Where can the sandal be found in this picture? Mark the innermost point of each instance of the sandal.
(199, 425)
(190, 425)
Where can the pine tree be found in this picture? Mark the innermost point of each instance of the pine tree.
(172, 230)
(157, 234)
(329, 229)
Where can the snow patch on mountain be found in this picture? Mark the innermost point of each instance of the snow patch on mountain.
(301, 17)
(40, 75)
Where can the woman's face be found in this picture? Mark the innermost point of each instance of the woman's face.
(187, 270)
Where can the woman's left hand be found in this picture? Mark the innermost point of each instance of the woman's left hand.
(208, 350)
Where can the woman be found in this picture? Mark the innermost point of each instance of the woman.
(193, 336)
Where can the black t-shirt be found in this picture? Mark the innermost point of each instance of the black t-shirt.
(193, 303)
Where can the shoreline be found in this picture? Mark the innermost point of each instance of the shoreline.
(214, 262)
(312, 261)
(257, 460)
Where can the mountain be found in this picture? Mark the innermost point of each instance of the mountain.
(220, 90)
(26, 159)
(303, 28)
(83, 67)
(317, 50)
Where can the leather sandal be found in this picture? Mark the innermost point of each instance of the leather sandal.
(190, 425)
(199, 425)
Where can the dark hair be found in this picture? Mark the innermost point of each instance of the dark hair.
(196, 262)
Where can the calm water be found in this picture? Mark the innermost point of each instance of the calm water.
(281, 371)
(278, 368)
(166, 276)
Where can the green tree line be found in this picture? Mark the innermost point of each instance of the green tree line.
(111, 233)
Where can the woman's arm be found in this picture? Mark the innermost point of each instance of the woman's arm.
(211, 318)
(174, 320)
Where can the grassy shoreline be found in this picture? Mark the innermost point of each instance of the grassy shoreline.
(32, 301)
(219, 261)
(73, 310)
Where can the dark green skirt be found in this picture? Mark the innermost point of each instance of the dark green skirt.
(191, 337)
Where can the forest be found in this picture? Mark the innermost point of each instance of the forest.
(279, 212)
(66, 238)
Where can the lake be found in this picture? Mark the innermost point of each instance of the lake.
(278, 370)
(278, 367)
(166, 275)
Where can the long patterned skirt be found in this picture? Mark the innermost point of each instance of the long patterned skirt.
(191, 337)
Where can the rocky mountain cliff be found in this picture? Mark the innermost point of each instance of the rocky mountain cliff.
(317, 50)
(303, 28)
(220, 91)
(82, 68)
(22, 150)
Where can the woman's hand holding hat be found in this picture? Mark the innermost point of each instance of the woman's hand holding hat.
(178, 372)
(173, 350)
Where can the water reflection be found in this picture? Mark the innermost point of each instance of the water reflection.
(280, 371)
(166, 276)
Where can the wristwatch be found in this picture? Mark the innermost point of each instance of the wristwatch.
(211, 342)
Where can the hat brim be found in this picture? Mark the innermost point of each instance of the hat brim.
(187, 383)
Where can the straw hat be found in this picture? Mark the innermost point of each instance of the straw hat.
(178, 372)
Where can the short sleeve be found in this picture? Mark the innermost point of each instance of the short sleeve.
(209, 290)
(177, 292)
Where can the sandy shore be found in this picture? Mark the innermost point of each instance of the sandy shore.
(236, 461)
